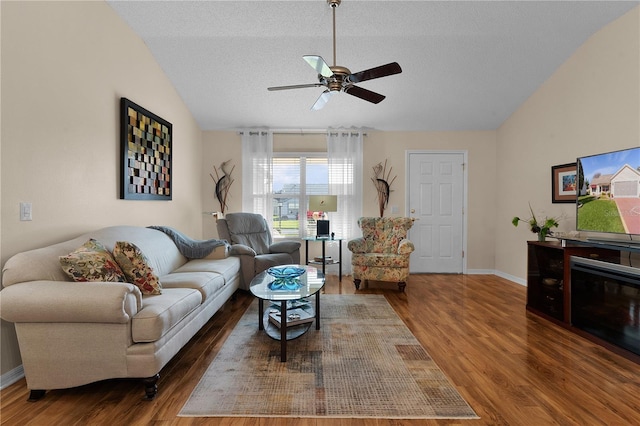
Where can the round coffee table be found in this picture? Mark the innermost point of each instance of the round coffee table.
(294, 316)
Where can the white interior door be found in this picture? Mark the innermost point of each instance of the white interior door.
(436, 200)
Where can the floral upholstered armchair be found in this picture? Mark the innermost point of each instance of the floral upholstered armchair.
(382, 253)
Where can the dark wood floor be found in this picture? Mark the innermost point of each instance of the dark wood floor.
(512, 367)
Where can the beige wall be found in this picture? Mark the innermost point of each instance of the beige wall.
(590, 105)
(65, 66)
(378, 147)
(481, 154)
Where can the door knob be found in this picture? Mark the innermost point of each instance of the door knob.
(413, 211)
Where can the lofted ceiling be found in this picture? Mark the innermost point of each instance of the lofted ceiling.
(467, 65)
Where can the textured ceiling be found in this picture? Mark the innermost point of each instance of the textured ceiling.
(466, 65)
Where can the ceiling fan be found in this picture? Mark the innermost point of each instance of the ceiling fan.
(339, 79)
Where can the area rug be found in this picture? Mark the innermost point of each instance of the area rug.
(362, 363)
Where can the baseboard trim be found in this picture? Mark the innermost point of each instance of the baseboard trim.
(511, 278)
(10, 377)
(480, 272)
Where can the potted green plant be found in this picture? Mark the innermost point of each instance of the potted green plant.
(542, 229)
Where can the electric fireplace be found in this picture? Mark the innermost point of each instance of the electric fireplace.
(605, 301)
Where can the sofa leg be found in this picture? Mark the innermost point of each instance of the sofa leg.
(402, 285)
(36, 394)
(357, 283)
(150, 387)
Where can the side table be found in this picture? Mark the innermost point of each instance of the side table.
(324, 262)
(310, 283)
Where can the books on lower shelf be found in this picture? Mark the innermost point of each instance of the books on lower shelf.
(294, 317)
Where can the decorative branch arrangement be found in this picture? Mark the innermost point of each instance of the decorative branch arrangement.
(380, 180)
(223, 181)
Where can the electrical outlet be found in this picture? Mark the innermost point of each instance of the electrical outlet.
(394, 209)
(25, 211)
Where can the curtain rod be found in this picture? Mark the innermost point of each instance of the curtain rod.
(299, 131)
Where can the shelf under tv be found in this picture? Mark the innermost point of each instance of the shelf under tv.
(629, 245)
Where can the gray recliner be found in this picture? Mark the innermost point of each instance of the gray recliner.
(250, 239)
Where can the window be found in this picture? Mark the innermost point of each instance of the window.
(295, 177)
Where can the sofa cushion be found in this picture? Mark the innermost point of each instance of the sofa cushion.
(135, 266)
(227, 267)
(162, 253)
(220, 252)
(92, 262)
(207, 283)
(161, 312)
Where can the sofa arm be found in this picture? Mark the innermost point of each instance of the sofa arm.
(284, 247)
(240, 249)
(72, 302)
(357, 245)
(405, 247)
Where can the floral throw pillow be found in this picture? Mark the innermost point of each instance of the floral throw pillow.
(135, 266)
(92, 262)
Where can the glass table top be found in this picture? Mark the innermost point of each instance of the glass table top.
(268, 287)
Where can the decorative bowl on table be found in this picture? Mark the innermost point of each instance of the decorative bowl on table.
(286, 277)
(285, 272)
(285, 284)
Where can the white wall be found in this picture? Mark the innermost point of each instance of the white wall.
(590, 105)
(65, 66)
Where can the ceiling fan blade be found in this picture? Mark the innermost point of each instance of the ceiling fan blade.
(323, 99)
(295, 86)
(365, 94)
(318, 64)
(377, 72)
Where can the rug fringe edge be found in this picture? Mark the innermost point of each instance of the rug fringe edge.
(284, 416)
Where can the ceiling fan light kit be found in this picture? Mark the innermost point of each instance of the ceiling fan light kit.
(340, 79)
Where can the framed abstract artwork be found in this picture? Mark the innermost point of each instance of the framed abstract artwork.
(563, 183)
(147, 151)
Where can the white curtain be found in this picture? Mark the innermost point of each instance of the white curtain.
(257, 172)
(344, 152)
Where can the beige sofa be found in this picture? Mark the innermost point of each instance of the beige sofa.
(74, 333)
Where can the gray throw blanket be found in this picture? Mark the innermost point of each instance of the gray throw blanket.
(190, 248)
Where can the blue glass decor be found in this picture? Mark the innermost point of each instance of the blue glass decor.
(286, 277)
(285, 272)
(285, 284)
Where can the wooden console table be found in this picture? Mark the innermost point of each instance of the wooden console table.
(549, 277)
(549, 283)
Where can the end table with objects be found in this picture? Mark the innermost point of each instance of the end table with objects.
(325, 260)
(290, 313)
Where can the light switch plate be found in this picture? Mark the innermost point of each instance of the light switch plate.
(25, 212)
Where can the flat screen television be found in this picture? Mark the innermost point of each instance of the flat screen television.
(608, 196)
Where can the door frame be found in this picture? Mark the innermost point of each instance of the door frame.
(465, 197)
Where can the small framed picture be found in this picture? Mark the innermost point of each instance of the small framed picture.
(564, 183)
